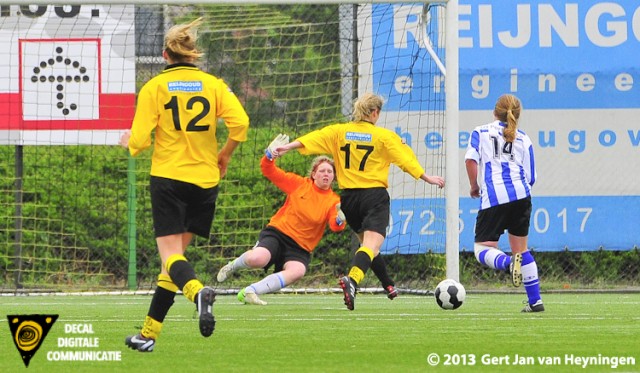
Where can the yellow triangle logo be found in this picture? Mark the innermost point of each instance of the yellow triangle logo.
(28, 332)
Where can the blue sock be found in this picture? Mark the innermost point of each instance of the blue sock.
(492, 257)
(530, 277)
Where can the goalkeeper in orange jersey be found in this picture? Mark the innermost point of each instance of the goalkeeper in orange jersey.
(363, 153)
(182, 105)
(295, 230)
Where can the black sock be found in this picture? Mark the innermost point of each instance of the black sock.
(181, 272)
(161, 303)
(379, 268)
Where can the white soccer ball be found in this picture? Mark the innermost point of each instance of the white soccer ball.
(450, 294)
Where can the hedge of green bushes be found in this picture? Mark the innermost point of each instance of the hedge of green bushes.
(74, 213)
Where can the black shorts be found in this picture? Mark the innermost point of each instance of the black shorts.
(366, 209)
(282, 248)
(180, 207)
(513, 216)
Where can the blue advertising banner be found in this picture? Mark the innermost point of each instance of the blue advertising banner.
(574, 66)
(556, 55)
(557, 223)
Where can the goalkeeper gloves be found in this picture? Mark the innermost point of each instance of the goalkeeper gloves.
(340, 218)
(280, 140)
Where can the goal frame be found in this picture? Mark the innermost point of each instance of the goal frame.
(452, 166)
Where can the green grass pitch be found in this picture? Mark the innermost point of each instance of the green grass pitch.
(315, 333)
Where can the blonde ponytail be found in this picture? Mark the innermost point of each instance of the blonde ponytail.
(365, 105)
(507, 110)
(180, 41)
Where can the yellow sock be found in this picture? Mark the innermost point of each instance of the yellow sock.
(191, 289)
(356, 274)
(151, 328)
(361, 262)
(165, 282)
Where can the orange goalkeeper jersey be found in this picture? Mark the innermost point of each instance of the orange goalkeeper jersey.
(307, 209)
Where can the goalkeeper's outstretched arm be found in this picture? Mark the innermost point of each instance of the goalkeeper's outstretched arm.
(290, 146)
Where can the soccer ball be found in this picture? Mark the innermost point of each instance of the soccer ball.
(450, 294)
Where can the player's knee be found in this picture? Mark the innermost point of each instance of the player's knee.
(295, 277)
(294, 271)
(257, 259)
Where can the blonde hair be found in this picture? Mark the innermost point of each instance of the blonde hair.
(365, 105)
(180, 41)
(317, 161)
(507, 110)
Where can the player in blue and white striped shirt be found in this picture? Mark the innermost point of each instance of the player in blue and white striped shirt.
(500, 165)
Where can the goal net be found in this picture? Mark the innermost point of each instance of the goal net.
(75, 209)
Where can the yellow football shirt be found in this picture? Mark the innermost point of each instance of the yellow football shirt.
(363, 153)
(182, 104)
